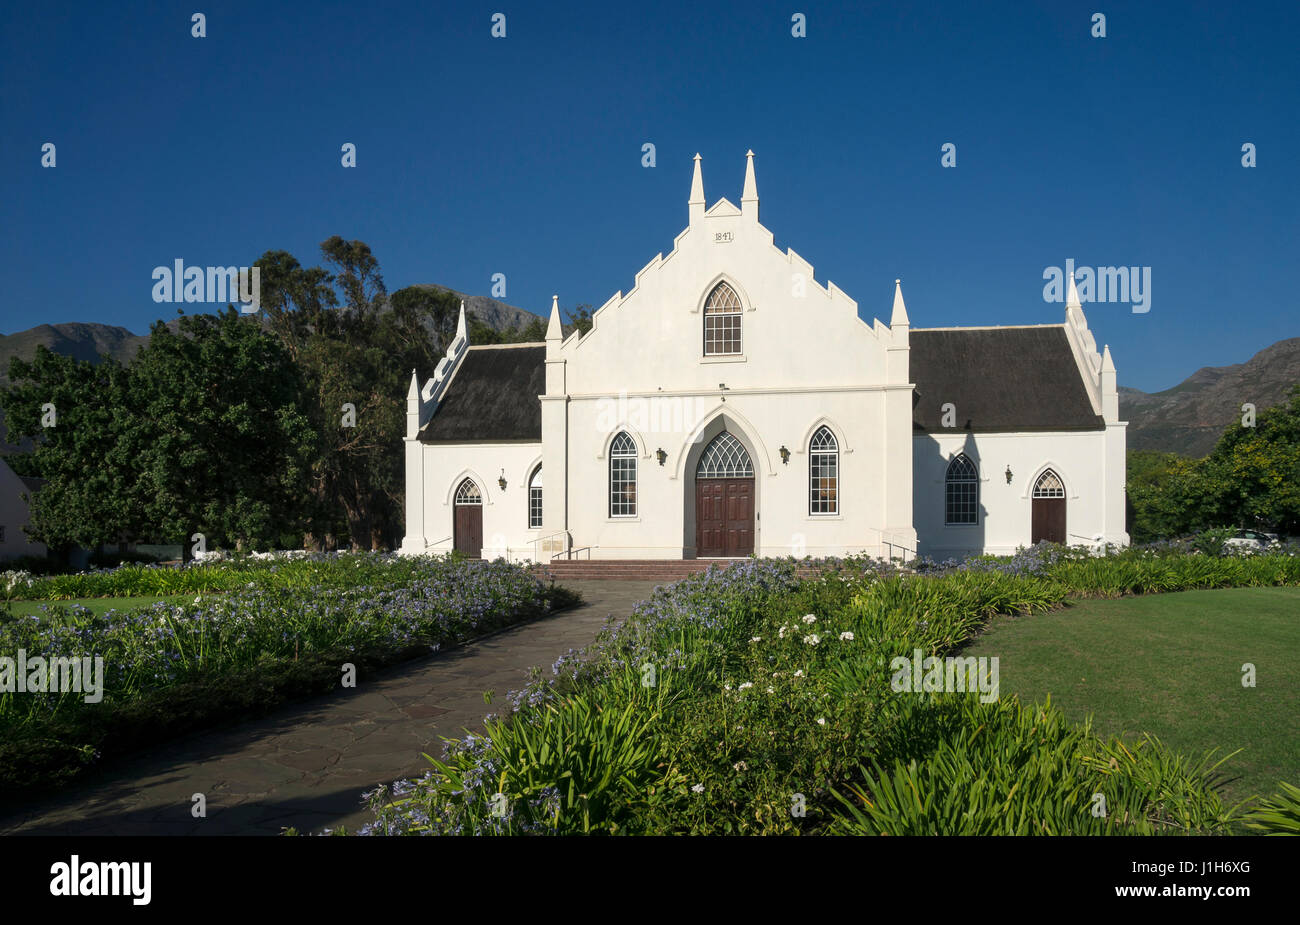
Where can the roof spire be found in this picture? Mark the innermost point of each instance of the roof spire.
(750, 193)
(900, 310)
(461, 330)
(554, 330)
(695, 205)
(413, 393)
(1072, 295)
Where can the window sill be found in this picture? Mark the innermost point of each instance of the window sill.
(723, 358)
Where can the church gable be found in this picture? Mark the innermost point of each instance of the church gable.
(787, 329)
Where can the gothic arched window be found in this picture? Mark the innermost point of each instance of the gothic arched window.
(722, 322)
(823, 473)
(535, 498)
(467, 493)
(1049, 485)
(962, 502)
(622, 476)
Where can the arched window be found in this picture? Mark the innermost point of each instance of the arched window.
(963, 494)
(725, 458)
(467, 493)
(722, 321)
(823, 473)
(622, 476)
(1049, 485)
(535, 498)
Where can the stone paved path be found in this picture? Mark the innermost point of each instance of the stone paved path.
(307, 765)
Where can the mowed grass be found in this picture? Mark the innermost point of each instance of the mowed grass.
(1170, 665)
(98, 605)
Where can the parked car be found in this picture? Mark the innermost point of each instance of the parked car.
(1251, 540)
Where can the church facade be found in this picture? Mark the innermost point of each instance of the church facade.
(732, 405)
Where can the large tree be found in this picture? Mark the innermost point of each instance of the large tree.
(205, 431)
(356, 346)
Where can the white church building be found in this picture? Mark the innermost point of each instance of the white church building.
(731, 405)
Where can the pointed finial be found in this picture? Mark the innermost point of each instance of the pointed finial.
(414, 391)
(1107, 364)
(697, 184)
(900, 310)
(750, 192)
(461, 329)
(554, 330)
(1072, 295)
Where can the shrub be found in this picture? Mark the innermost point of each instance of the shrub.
(1278, 815)
(283, 634)
(955, 766)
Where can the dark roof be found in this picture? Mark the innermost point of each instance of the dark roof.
(999, 379)
(32, 482)
(492, 398)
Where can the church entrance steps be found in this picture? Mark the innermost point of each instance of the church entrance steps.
(661, 570)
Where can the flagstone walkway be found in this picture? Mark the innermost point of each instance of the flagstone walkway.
(307, 765)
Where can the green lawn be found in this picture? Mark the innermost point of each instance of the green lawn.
(96, 604)
(1171, 665)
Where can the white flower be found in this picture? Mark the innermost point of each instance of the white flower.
(745, 684)
(821, 721)
(769, 690)
(809, 618)
(781, 633)
(846, 635)
(698, 788)
(726, 687)
(755, 638)
(740, 766)
(199, 598)
(799, 673)
(812, 639)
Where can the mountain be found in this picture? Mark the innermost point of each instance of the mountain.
(494, 314)
(1190, 417)
(83, 341)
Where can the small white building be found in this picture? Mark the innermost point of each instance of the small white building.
(730, 404)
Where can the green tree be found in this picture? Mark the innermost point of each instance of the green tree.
(1256, 470)
(84, 450)
(580, 318)
(222, 433)
(205, 431)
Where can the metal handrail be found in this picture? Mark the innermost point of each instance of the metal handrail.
(537, 553)
(568, 553)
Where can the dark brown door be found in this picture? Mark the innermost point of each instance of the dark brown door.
(469, 530)
(1048, 520)
(724, 517)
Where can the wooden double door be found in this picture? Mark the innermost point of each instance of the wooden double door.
(724, 517)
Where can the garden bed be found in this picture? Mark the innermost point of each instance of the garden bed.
(278, 632)
(750, 701)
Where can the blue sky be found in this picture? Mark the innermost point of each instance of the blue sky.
(522, 155)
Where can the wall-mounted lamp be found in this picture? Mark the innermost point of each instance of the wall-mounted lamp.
(662, 455)
(1009, 475)
(502, 481)
(785, 455)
